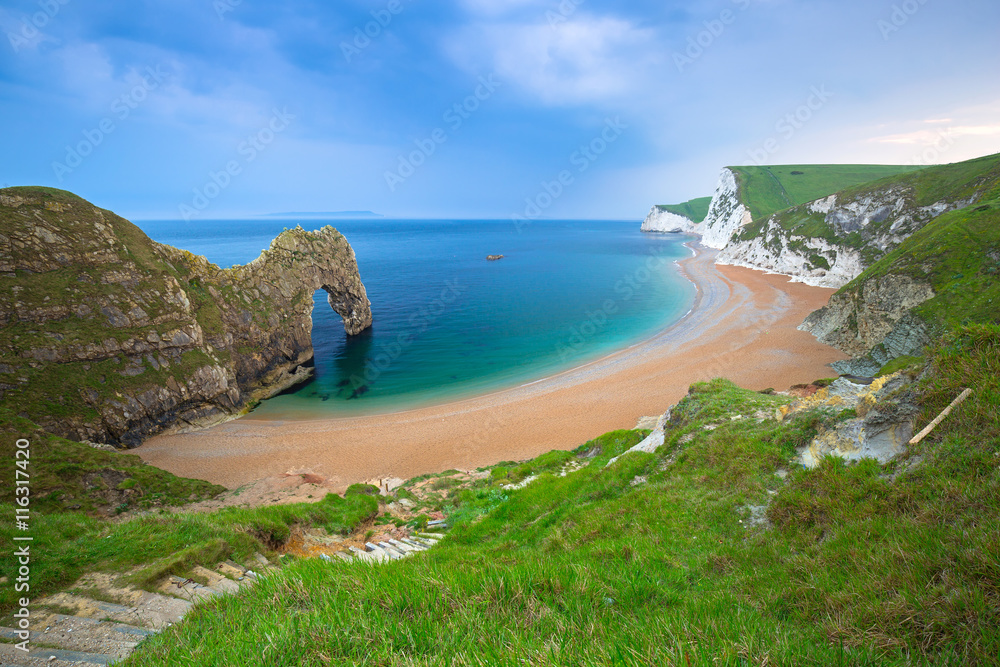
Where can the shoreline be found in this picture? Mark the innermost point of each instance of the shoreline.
(741, 325)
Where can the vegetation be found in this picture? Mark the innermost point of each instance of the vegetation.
(69, 476)
(958, 253)
(695, 210)
(713, 550)
(767, 190)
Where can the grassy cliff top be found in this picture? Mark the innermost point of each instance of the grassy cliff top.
(766, 190)
(694, 210)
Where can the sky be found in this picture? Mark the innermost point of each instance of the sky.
(205, 109)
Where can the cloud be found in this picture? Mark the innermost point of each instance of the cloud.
(928, 138)
(581, 59)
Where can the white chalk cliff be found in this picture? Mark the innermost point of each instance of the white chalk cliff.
(661, 220)
(726, 213)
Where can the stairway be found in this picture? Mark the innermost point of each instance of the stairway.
(391, 550)
(102, 633)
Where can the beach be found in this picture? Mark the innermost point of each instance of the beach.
(742, 326)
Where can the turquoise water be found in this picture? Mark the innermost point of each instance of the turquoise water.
(448, 323)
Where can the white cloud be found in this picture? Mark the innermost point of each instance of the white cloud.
(577, 60)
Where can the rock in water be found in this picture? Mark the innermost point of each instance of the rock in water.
(112, 337)
(493, 258)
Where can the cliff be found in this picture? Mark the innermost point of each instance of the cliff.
(677, 218)
(943, 276)
(112, 337)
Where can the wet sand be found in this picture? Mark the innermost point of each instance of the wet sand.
(742, 327)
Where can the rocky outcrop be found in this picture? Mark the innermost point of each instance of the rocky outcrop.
(727, 213)
(660, 219)
(112, 337)
(885, 410)
(872, 322)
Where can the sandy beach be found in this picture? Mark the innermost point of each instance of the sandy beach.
(742, 327)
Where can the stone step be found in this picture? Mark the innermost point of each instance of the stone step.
(415, 544)
(426, 541)
(232, 569)
(441, 524)
(149, 610)
(186, 589)
(75, 633)
(386, 555)
(391, 549)
(344, 557)
(394, 554)
(406, 546)
(49, 657)
(432, 536)
(261, 560)
(216, 580)
(361, 555)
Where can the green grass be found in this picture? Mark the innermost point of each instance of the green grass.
(68, 544)
(767, 190)
(695, 210)
(862, 564)
(67, 475)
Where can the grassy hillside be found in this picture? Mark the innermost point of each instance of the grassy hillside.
(695, 210)
(713, 550)
(766, 190)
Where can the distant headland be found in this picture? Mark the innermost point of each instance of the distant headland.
(324, 214)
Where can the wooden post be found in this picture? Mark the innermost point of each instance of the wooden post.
(937, 420)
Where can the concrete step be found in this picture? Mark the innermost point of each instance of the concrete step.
(49, 657)
(431, 536)
(415, 544)
(75, 633)
(362, 556)
(440, 524)
(392, 553)
(186, 589)
(232, 570)
(427, 542)
(216, 580)
(149, 610)
(344, 557)
(408, 548)
(391, 549)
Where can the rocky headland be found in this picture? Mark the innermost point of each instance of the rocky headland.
(112, 337)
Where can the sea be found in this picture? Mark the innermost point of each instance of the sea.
(449, 324)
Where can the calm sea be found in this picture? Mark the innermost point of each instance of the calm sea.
(448, 323)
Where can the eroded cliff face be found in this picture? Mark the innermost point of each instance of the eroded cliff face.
(111, 337)
(661, 220)
(829, 243)
(873, 323)
(727, 214)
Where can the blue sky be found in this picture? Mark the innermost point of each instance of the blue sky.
(478, 108)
